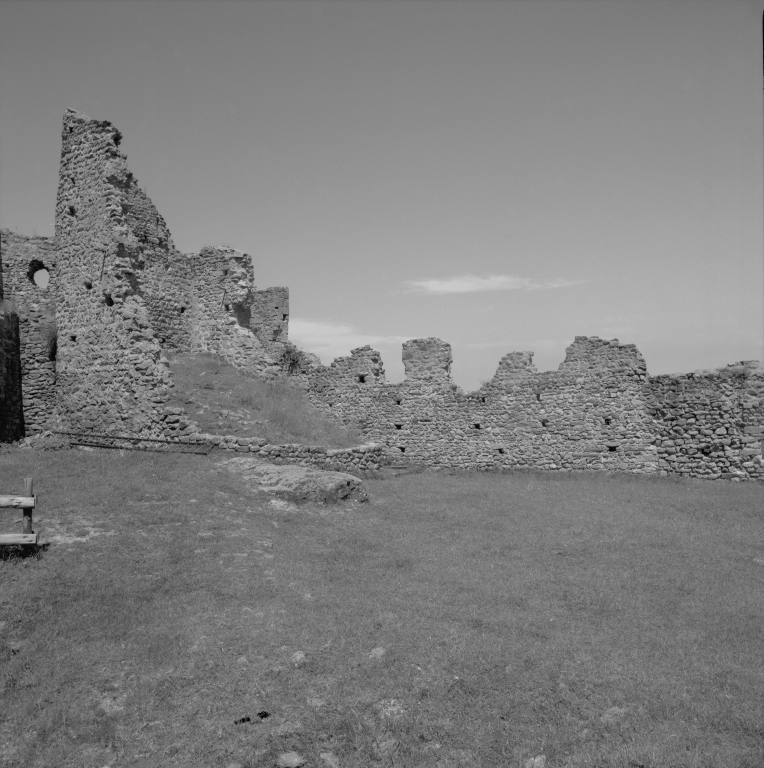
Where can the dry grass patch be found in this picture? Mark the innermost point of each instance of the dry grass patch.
(473, 620)
(225, 400)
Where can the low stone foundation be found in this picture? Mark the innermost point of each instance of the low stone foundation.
(367, 458)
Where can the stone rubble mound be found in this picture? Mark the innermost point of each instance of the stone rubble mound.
(300, 484)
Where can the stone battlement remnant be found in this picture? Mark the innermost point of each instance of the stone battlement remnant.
(428, 359)
(86, 317)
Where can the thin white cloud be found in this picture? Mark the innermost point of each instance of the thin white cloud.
(474, 284)
(330, 340)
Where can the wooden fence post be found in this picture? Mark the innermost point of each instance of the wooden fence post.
(26, 525)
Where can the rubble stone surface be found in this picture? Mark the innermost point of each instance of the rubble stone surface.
(299, 483)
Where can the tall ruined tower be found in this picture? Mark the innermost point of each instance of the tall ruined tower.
(110, 372)
(124, 293)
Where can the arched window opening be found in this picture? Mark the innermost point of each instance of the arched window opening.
(38, 274)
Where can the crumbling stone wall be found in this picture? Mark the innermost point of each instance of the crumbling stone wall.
(11, 408)
(429, 359)
(710, 423)
(599, 410)
(366, 458)
(270, 319)
(23, 261)
(119, 293)
(125, 293)
(346, 382)
(222, 307)
(111, 374)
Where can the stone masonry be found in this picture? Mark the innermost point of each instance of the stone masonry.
(269, 319)
(111, 375)
(91, 339)
(599, 410)
(23, 261)
(427, 359)
(86, 316)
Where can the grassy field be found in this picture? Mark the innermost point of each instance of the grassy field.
(178, 618)
(227, 401)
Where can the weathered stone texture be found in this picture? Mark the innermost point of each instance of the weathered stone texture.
(428, 359)
(512, 366)
(367, 457)
(124, 293)
(111, 376)
(270, 319)
(347, 379)
(710, 423)
(599, 410)
(299, 483)
(223, 293)
(21, 257)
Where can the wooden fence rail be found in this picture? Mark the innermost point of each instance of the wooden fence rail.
(26, 503)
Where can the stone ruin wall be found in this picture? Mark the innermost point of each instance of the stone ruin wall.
(223, 304)
(269, 319)
(599, 410)
(709, 423)
(20, 258)
(120, 294)
(111, 375)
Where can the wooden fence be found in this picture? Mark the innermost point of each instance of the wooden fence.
(26, 504)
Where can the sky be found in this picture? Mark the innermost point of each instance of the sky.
(504, 176)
